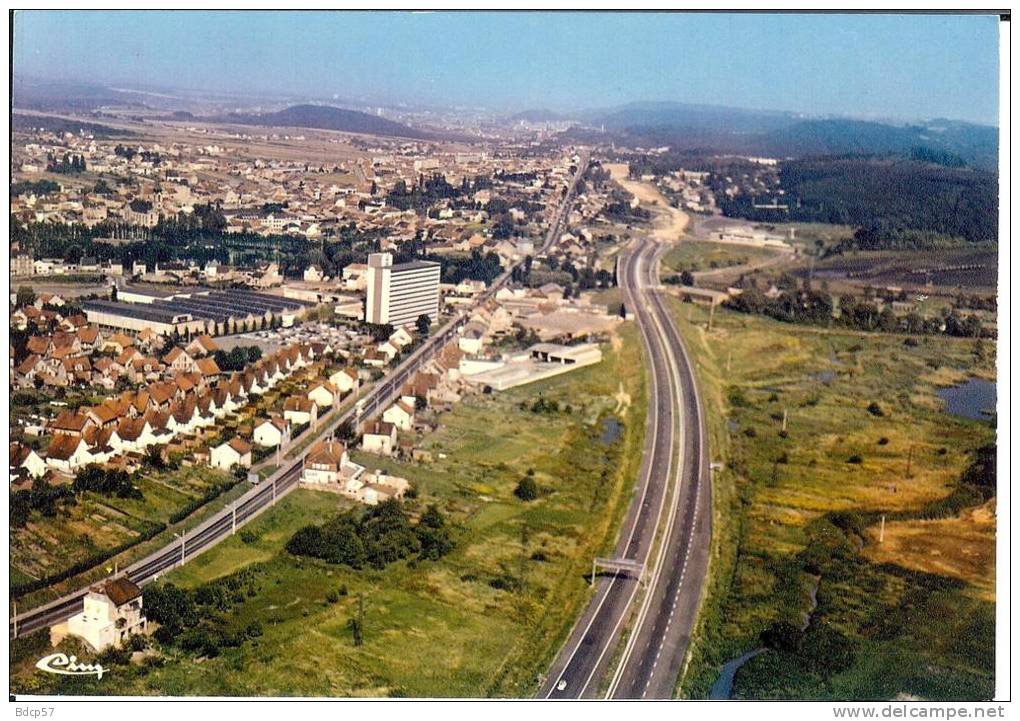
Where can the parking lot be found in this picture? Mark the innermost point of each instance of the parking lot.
(273, 339)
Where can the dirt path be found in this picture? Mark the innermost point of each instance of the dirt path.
(670, 223)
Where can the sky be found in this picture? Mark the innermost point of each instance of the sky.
(888, 66)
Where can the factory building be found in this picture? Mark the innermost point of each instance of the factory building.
(195, 312)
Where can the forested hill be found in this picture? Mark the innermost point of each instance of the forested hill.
(905, 200)
(943, 141)
(327, 117)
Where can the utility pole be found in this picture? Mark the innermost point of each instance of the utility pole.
(274, 490)
(181, 536)
(233, 519)
(785, 412)
(524, 550)
(361, 620)
(881, 532)
(711, 315)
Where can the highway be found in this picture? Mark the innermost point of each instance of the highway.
(667, 529)
(264, 495)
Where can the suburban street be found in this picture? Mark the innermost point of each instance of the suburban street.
(667, 529)
(265, 494)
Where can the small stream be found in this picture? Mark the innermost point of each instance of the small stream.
(722, 688)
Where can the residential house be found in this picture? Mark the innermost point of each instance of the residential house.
(179, 360)
(345, 380)
(271, 432)
(379, 437)
(400, 414)
(235, 452)
(111, 613)
(24, 460)
(300, 410)
(323, 393)
(67, 452)
(325, 462)
(201, 345)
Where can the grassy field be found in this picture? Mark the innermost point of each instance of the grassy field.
(696, 256)
(796, 514)
(485, 620)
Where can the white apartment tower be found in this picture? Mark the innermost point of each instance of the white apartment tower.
(398, 294)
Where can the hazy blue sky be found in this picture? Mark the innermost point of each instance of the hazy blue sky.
(870, 65)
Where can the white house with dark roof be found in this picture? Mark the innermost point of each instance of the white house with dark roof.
(111, 613)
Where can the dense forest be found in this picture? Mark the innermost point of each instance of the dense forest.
(892, 197)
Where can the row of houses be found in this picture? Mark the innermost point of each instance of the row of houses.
(160, 412)
(276, 431)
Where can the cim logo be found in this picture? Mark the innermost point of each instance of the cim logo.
(69, 666)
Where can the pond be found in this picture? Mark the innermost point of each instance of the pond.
(611, 429)
(974, 398)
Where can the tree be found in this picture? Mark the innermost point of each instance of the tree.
(687, 278)
(171, 607)
(527, 489)
(433, 534)
(25, 296)
(423, 324)
(154, 457)
(346, 431)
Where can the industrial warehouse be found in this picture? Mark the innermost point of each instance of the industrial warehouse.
(214, 312)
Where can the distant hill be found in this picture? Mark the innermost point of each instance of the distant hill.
(936, 141)
(326, 117)
(27, 121)
(784, 134)
(53, 95)
(689, 116)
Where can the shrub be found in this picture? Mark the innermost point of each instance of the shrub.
(782, 637)
(527, 489)
(875, 409)
(856, 459)
(736, 398)
(883, 441)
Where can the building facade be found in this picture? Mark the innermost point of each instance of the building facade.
(399, 294)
